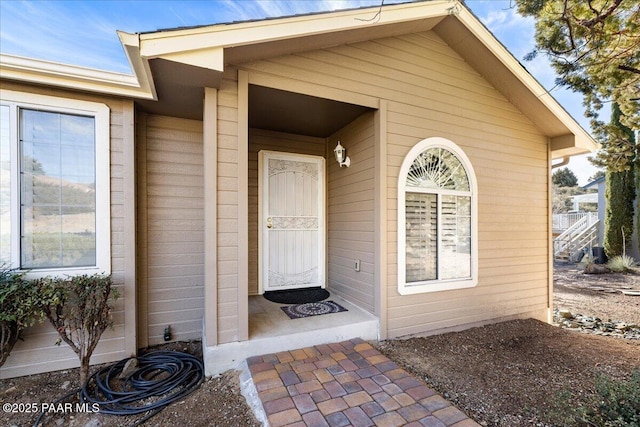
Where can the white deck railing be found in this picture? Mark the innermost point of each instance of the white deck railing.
(583, 233)
(562, 222)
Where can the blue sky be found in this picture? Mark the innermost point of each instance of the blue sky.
(84, 32)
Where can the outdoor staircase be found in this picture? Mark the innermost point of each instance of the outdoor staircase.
(581, 236)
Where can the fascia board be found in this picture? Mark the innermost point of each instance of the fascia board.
(139, 65)
(582, 140)
(31, 70)
(157, 44)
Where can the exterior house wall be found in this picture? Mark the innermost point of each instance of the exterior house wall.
(272, 141)
(227, 209)
(171, 228)
(38, 352)
(415, 86)
(351, 211)
(429, 91)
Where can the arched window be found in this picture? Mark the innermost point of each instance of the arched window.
(437, 219)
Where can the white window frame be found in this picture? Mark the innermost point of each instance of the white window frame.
(437, 284)
(100, 112)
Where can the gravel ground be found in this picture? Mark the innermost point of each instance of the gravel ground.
(513, 373)
(218, 402)
(508, 375)
(596, 294)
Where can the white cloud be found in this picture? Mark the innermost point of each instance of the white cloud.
(50, 31)
(494, 18)
(84, 33)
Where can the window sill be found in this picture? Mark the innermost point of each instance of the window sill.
(435, 286)
(67, 271)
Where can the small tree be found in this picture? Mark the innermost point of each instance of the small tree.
(79, 310)
(618, 221)
(20, 307)
(564, 178)
(620, 195)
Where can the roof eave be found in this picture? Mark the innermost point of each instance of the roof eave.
(206, 47)
(567, 137)
(162, 43)
(48, 73)
(570, 145)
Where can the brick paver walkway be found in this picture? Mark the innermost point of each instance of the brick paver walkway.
(346, 384)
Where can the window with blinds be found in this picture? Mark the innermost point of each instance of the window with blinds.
(422, 234)
(436, 247)
(58, 196)
(55, 187)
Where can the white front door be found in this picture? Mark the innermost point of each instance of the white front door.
(291, 221)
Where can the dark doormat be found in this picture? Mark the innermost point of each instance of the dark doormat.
(312, 309)
(297, 296)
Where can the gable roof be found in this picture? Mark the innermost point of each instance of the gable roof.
(181, 62)
(594, 183)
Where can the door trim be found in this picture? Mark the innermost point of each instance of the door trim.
(322, 213)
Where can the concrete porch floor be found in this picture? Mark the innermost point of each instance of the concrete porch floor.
(267, 320)
(272, 331)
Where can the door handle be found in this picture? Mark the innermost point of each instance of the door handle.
(269, 222)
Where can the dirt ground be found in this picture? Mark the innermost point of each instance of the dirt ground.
(509, 374)
(596, 294)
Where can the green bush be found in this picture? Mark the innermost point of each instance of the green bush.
(618, 402)
(615, 403)
(621, 188)
(621, 264)
(79, 309)
(20, 307)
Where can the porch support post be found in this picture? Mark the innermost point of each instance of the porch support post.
(142, 243)
(129, 175)
(380, 119)
(549, 233)
(243, 205)
(210, 151)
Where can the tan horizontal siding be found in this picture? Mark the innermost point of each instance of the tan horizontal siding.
(227, 206)
(350, 207)
(173, 232)
(485, 295)
(39, 352)
(431, 91)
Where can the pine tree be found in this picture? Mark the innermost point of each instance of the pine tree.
(564, 178)
(594, 46)
(620, 196)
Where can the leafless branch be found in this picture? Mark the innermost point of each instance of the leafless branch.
(589, 23)
(627, 68)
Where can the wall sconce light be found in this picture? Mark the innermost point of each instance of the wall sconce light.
(342, 160)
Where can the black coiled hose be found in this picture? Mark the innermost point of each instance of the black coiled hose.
(161, 378)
